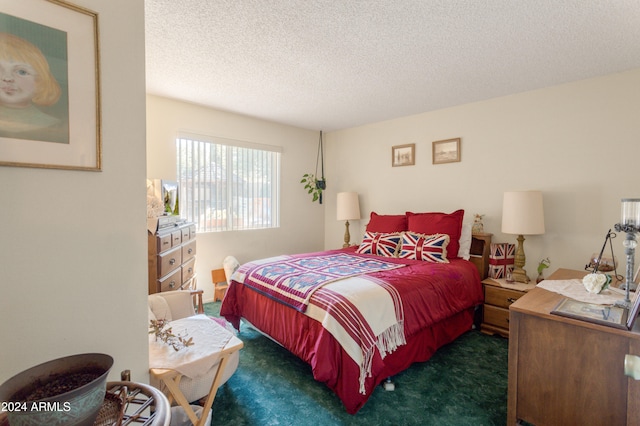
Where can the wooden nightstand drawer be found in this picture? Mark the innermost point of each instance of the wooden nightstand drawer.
(498, 296)
(498, 317)
(501, 297)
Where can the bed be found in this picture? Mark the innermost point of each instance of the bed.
(361, 314)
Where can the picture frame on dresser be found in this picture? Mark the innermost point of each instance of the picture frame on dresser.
(610, 316)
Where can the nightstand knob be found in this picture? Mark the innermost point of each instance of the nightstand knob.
(511, 300)
(632, 366)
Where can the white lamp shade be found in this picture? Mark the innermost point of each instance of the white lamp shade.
(522, 213)
(348, 206)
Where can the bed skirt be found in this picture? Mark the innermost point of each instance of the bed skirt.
(307, 339)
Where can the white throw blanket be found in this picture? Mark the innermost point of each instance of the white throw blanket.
(362, 314)
(209, 339)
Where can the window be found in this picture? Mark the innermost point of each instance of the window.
(228, 185)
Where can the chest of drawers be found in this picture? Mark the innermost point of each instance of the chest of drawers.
(172, 258)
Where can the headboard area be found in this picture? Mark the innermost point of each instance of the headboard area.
(479, 251)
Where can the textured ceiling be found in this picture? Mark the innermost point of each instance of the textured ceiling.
(328, 65)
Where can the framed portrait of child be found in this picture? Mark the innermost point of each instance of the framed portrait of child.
(49, 86)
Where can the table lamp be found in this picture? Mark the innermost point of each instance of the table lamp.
(522, 214)
(630, 224)
(348, 209)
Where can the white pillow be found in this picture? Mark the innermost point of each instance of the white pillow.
(160, 307)
(465, 242)
(230, 265)
(152, 317)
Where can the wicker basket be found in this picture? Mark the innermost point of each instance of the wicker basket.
(112, 409)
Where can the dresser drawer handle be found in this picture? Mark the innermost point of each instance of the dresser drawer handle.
(172, 262)
(172, 284)
(190, 251)
(511, 300)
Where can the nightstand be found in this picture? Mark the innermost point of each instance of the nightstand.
(498, 296)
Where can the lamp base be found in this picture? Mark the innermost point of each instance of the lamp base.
(347, 236)
(519, 275)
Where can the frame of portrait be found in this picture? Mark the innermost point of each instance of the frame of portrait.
(49, 86)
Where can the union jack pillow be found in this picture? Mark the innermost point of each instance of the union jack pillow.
(380, 244)
(430, 248)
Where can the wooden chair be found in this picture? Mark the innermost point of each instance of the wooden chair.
(220, 284)
(177, 306)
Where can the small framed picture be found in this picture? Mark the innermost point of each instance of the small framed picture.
(446, 151)
(403, 155)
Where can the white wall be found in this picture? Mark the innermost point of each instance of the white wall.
(578, 143)
(73, 252)
(302, 222)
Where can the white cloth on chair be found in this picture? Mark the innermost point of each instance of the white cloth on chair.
(209, 339)
(230, 264)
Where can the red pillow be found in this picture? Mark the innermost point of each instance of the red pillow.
(438, 223)
(387, 223)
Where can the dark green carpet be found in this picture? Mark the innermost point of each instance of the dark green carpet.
(464, 383)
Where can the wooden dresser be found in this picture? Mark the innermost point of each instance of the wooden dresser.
(172, 258)
(564, 371)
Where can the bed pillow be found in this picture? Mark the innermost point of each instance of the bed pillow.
(387, 223)
(465, 241)
(381, 244)
(430, 248)
(438, 223)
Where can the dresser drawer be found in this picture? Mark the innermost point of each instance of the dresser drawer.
(171, 282)
(188, 250)
(502, 297)
(176, 238)
(185, 234)
(498, 317)
(188, 270)
(169, 261)
(164, 243)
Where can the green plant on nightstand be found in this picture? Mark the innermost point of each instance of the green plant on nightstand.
(544, 264)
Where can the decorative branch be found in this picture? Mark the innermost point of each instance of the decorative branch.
(165, 333)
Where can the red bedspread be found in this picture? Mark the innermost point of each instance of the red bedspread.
(438, 301)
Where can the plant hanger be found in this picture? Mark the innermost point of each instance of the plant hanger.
(320, 183)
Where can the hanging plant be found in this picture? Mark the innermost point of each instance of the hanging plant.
(312, 184)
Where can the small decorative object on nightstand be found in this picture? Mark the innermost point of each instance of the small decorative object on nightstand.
(544, 264)
(498, 296)
(478, 226)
